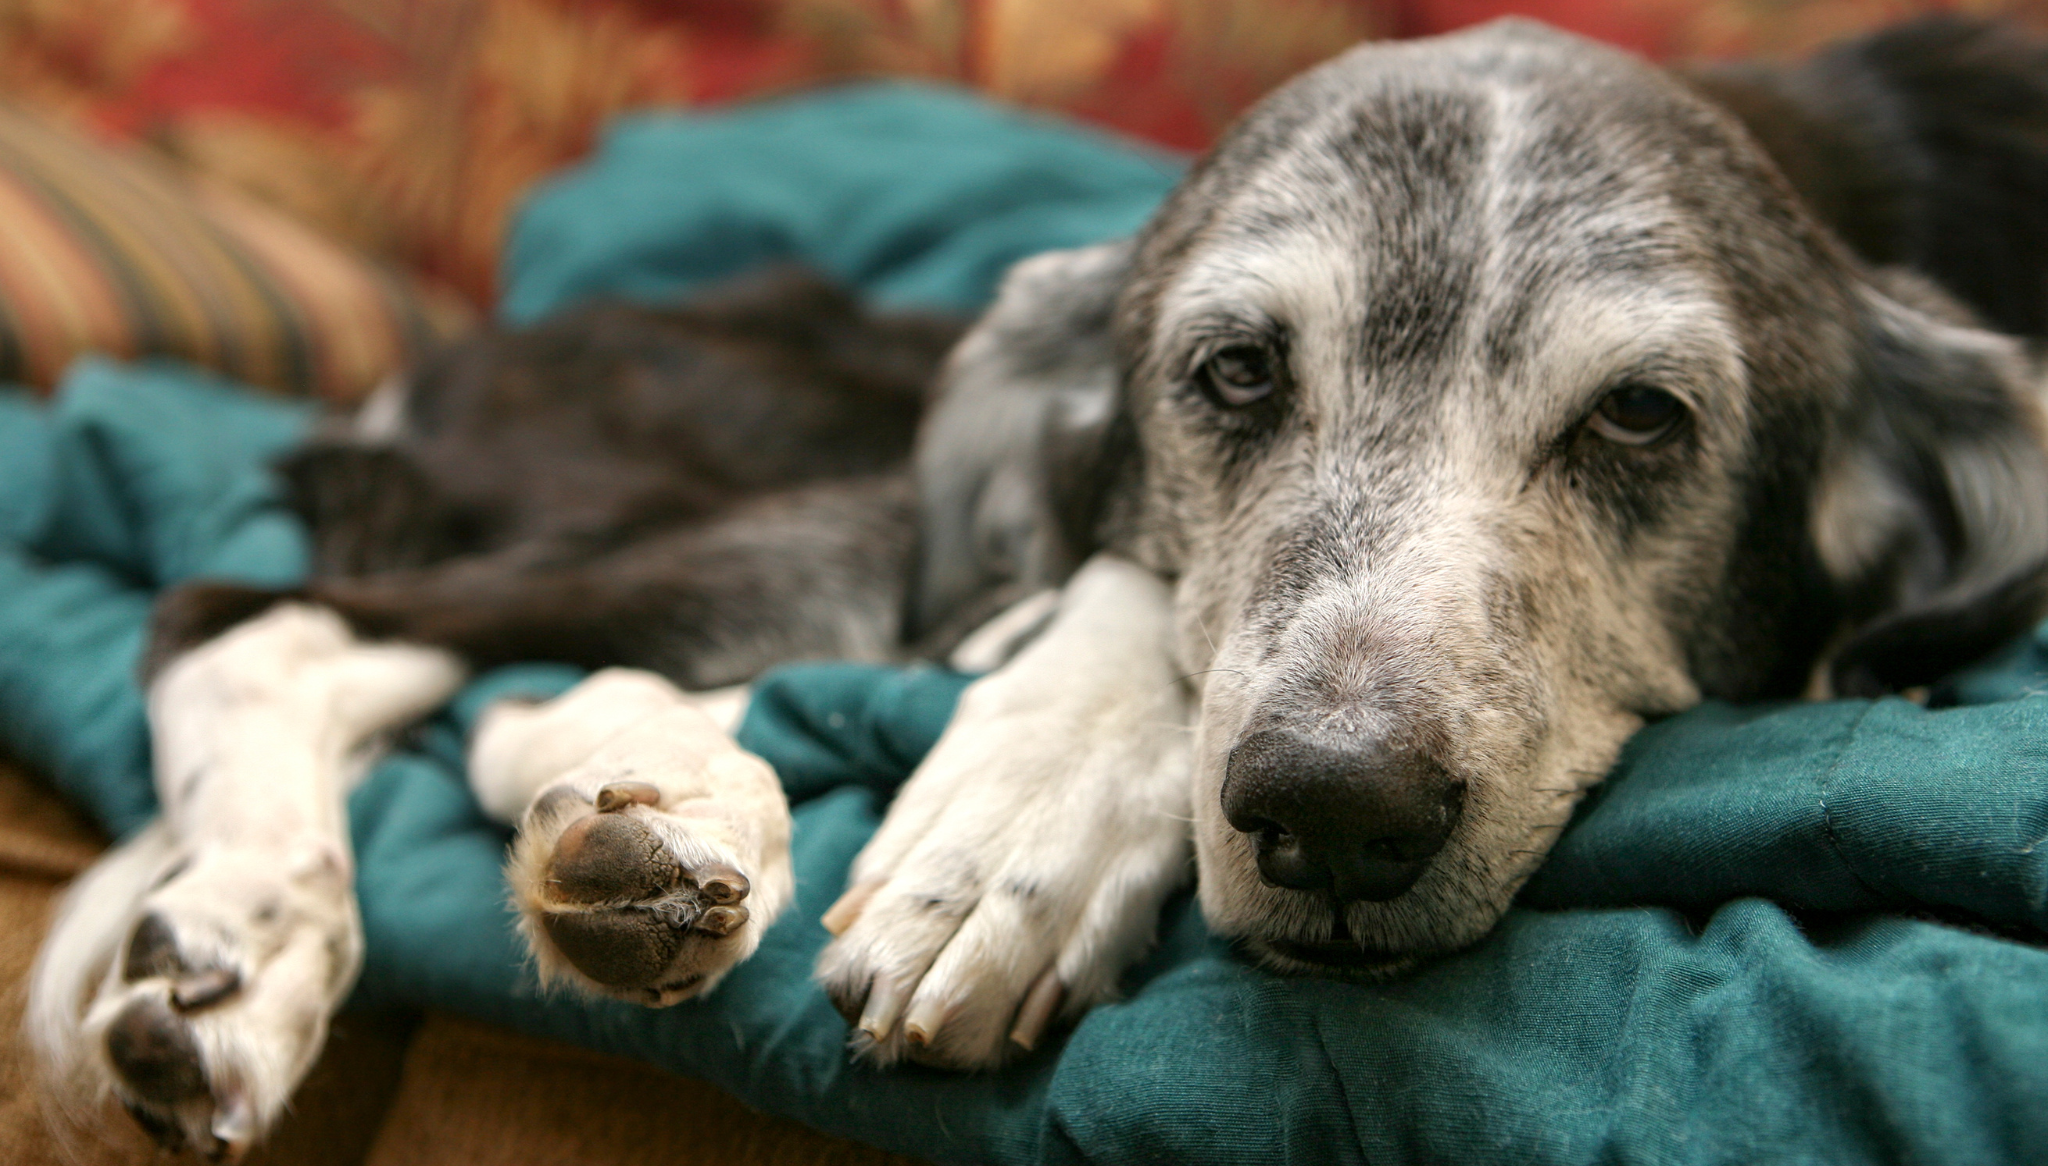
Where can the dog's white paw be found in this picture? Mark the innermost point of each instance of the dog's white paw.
(650, 865)
(218, 942)
(1023, 866)
(218, 1001)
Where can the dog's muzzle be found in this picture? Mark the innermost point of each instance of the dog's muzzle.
(1353, 816)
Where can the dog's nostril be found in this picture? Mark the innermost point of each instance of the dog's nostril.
(1352, 816)
(1282, 860)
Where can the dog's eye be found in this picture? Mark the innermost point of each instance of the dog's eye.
(1237, 376)
(1636, 415)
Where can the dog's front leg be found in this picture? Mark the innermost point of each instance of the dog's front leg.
(1023, 865)
(225, 935)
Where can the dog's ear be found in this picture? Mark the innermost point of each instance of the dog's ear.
(1014, 460)
(1932, 513)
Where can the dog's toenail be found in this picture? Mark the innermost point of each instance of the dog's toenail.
(722, 884)
(884, 1004)
(922, 1023)
(620, 794)
(208, 987)
(722, 921)
(153, 1051)
(608, 858)
(556, 800)
(1037, 1010)
(840, 915)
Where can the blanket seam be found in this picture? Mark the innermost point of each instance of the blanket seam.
(1827, 816)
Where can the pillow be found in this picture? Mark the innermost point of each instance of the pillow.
(108, 250)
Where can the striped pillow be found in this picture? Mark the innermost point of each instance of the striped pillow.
(105, 250)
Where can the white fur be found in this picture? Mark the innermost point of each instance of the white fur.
(92, 919)
(258, 737)
(991, 645)
(718, 803)
(1043, 832)
(381, 419)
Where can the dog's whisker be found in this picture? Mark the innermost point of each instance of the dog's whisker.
(1184, 678)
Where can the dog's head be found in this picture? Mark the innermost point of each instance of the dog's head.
(1488, 396)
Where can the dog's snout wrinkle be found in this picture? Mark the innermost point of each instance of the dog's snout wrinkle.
(1358, 817)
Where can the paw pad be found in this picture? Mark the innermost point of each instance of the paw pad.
(610, 857)
(627, 907)
(620, 948)
(153, 1050)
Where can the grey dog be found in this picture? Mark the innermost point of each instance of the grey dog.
(1474, 402)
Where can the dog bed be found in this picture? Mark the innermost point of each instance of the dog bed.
(1788, 933)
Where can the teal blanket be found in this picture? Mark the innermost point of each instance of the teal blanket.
(1800, 933)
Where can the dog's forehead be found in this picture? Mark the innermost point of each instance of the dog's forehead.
(1401, 194)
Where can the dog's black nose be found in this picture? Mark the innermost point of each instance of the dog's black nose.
(1353, 815)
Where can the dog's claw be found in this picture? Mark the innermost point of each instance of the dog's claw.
(557, 800)
(922, 1026)
(1021, 844)
(620, 794)
(722, 921)
(885, 1001)
(234, 1127)
(842, 914)
(209, 987)
(721, 884)
(1037, 1010)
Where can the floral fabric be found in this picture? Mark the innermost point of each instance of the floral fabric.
(410, 128)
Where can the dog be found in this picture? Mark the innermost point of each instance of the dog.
(1473, 402)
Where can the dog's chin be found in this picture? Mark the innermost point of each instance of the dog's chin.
(1296, 935)
(1453, 906)
(1331, 960)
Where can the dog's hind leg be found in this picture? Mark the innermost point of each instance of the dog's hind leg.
(653, 851)
(224, 936)
(812, 573)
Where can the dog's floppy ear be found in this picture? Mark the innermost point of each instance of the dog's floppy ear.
(1932, 512)
(1013, 462)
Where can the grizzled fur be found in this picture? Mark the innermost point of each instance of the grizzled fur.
(1474, 402)
(1418, 540)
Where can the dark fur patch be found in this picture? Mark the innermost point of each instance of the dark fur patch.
(704, 490)
(1923, 145)
(189, 615)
